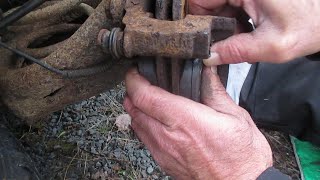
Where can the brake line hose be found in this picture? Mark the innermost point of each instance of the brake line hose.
(64, 73)
(19, 13)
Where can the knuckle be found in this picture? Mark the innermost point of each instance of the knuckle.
(142, 96)
(283, 49)
(134, 113)
(234, 52)
(243, 116)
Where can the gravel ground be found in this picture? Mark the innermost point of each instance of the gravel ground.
(83, 141)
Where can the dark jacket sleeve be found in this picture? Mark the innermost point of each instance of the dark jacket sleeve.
(285, 97)
(273, 174)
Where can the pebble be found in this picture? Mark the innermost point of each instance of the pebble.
(93, 150)
(98, 165)
(54, 131)
(56, 147)
(79, 133)
(150, 170)
(80, 142)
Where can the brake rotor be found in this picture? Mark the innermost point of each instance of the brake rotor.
(178, 76)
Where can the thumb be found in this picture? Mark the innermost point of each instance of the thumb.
(246, 47)
(213, 93)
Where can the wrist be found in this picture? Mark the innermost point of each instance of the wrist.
(252, 168)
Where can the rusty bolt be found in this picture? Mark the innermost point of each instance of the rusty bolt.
(111, 42)
(103, 37)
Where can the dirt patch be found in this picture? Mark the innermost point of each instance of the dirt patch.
(283, 154)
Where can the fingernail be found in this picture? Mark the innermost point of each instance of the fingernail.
(213, 60)
(214, 70)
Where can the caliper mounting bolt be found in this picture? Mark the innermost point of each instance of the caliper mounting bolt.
(112, 42)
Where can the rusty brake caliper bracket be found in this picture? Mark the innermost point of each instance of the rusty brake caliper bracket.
(168, 46)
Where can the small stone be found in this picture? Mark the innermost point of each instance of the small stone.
(117, 154)
(144, 175)
(91, 131)
(80, 142)
(148, 153)
(79, 133)
(57, 147)
(93, 150)
(98, 165)
(150, 170)
(153, 164)
(52, 156)
(123, 122)
(133, 158)
(54, 131)
(53, 120)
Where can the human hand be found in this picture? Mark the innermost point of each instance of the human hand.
(285, 30)
(189, 140)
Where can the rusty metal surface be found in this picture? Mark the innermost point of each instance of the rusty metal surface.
(179, 10)
(186, 38)
(32, 92)
(163, 9)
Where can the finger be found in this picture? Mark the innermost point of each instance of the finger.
(213, 93)
(261, 45)
(158, 103)
(147, 123)
(205, 7)
(145, 127)
(236, 49)
(151, 133)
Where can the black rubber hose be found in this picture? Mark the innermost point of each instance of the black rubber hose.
(64, 73)
(19, 13)
(34, 60)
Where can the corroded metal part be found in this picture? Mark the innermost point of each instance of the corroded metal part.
(146, 36)
(32, 92)
(163, 9)
(179, 10)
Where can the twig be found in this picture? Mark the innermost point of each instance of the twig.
(65, 174)
(60, 117)
(26, 133)
(85, 165)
